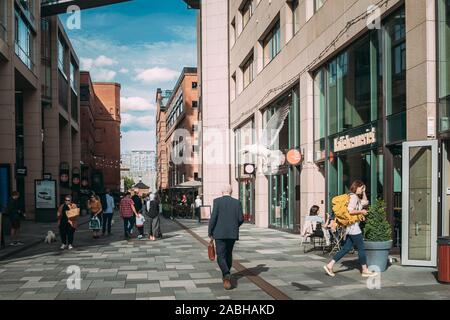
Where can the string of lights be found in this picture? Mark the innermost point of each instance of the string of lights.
(325, 51)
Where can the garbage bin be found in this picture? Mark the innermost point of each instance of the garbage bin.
(444, 259)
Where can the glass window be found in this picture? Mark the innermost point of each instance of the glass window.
(444, 63)
(295, 16)
(3, 19)
(24, 42)
(271, 44)
(61, 56)
(247, 71)
(318, 4)
(247, 12)
(282, 185)
(73, 76)
(395, 75)
(319, 115)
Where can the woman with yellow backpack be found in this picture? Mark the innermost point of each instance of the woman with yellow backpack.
(357, 200)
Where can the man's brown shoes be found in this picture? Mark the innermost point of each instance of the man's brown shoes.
(227, 283)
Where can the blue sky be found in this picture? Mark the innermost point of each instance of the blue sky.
(143, 45)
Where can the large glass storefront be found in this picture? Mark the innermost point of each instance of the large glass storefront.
(244, 136)
(360, 116)
(444, 108)
(444, 64)
(283, 186)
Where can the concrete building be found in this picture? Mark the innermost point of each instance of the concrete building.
(213, 74)
(39, 127)
(367, 92)
(100, 111)
(162, 163)
(140, 165)
(182, 128)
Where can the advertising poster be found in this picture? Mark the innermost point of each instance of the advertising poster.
(45, 194)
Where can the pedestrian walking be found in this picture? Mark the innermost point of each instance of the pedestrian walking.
(138, 206)
(198, 204)
(354, 237)
(108, 212)
(127, 211)
(67, 225)
(226, 218)
(95, 207)
(15, 215)
(154, 219)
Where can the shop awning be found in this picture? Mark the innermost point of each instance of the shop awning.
(189, 184)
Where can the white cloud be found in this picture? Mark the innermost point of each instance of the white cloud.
(131, 122)
(138, 140)
(103, 61)
(135, 104)
(156, 74)
(124, 70)
(99, 62)
(103, 74)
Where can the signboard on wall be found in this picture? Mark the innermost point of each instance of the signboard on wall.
(347, 142)
(45, 194)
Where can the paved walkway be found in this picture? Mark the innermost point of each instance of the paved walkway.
(270, 264)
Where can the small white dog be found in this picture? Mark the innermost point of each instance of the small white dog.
(51, 237)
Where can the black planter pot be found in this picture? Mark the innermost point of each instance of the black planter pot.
(377, 253)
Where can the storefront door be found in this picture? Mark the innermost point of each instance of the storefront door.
(420, 203)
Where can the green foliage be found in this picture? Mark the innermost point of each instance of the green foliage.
(377, 228)
(128, 183)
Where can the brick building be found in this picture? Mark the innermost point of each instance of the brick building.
(162, 165)
(100, 133)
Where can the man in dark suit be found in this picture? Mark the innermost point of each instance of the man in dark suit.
(224, 226)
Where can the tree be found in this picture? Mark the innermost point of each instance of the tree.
(377, 228)
(128, 183)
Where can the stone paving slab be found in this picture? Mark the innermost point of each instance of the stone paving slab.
(177, 267)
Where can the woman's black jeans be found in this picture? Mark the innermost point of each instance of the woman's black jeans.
(351, 240)
(66, 231)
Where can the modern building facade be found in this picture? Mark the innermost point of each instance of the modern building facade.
(39, 91)
(162, 163)
(100, 142)
(213, 75)
(182, 129)
(140, 165)
(367, 98)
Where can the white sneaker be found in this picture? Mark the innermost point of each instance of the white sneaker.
(63, 246)
(70, 247)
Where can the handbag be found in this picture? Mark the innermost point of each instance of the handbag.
(95, 224)
(73, 213)
(211, 251)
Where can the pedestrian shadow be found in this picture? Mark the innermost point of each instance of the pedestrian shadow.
(349, 265)
(249, 272)
(304, 288)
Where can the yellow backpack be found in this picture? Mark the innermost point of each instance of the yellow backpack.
(341, 213)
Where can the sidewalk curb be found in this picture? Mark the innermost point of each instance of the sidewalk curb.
(30, 245)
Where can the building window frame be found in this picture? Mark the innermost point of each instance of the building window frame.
(443, 58)
(246, 11)
(248, 70)
(271, 43)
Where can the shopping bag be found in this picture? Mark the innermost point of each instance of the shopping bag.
(95, 224)
(211, 251)
(73, 213)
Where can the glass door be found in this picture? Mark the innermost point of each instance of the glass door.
(420, 176)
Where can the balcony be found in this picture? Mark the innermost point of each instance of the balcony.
(54, 7)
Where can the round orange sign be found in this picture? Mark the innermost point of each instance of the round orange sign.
(294, 157)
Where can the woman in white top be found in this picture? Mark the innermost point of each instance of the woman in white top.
(358, 200)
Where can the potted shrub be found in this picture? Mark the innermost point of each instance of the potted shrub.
(378, 236)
